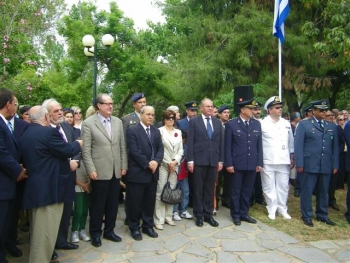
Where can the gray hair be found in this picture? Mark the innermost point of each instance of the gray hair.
(146, 107)
(173, 108)
(46, 104)
(38, 115)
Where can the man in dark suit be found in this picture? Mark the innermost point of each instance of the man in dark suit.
(205, 156)
(191, 111)
(105, 161)
(10, 169)
(243, 159)
(19, 126)
(317, 158)
(66, 131)
(146, 152)
(46, 157)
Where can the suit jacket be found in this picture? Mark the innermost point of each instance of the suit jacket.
(140, 153)
(315, 150)
(173, 149)
(19, 127)
(347, 141)
(45, 156)
(183, 124)
(100, 153)
(243, 146)
(130, 119)
(10, 168)
(70, 135)
(202, 150)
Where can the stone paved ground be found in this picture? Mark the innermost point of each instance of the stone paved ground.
(187, 243)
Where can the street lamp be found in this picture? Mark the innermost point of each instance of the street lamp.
(91, 50)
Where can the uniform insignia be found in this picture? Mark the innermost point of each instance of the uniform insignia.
(287, 127)
(313, 129)
(312, 121)
(238, 130)
(329, 130)
(255, 131)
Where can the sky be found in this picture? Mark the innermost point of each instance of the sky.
(138, 10)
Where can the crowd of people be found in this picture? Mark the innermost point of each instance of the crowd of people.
(53, 162)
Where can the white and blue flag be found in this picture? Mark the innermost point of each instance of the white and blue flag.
(281, 13)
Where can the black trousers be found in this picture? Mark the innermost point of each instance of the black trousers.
(141, 201)
(204, 178)
(224, 183)
(5, 218)
(104, 202)
(62, 235)
(257, 194)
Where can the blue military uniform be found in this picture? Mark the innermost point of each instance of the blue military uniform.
(183, 123)
(132, 118)
(316, 150)
(243, 151)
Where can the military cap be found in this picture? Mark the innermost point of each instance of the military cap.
(192, 105)
(137, 96)
(248, 104)
(222, 108)
(308, 108)
(274, 100)
(320, 104)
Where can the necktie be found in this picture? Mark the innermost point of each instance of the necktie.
(58, 127)
(246, 124)
(321, 125)
(107, 128)
(149, 138)
(209, 128)
(9, 124)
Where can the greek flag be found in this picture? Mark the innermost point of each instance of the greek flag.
(281, 13)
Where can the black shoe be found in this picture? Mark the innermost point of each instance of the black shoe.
(237, 221)
(150, 232)
(248, 219)
(308, 222)
(335, 206)
(96, 241)
(327, 221)
(136, 235)
(54, 255)
(296, 193)
(25, 227)
(211, 222)
(19, 242)
(199, 221)
(112, 237)
(68, 246)
(14, 252)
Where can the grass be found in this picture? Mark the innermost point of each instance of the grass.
(296, 227)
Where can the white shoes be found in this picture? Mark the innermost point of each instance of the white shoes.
(285, 215)
(159, 226)
(74, 238)
(271, 216)
(176, 216)
(186, 215)
(83, 236)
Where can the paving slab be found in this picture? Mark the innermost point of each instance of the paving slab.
(324, 244)
(226, 257)
(265, 257)
(229, 234)
(198, 250)
(311, 255)
(240, 245)
(176, 242)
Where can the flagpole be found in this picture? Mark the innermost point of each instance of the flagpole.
(280, 69)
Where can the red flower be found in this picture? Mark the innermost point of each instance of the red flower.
(175, 134)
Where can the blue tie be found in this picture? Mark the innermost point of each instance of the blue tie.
(9, 124)
(209, 129)
(149, 137)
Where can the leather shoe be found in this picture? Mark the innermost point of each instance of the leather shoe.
(237, 221)
(96, 241)
(150, 232)
(335, 207)
(211, 222)
(15, 252)
(199, 221)
(68, 246)
(54, 255)
(136, 235)
(308, 222)
(327, 221)
(112, 237)
(248, 219)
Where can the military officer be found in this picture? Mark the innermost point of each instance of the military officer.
(139, 101)
(191, 111)
(243, 158)
(316, 158)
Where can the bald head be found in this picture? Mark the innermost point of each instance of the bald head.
(39, 114)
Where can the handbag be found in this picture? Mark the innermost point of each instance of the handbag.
(171, 196)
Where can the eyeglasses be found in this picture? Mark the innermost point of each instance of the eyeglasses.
(278, 107)
(170, 118)
(329, 115)
(78, 112)
(106, 103)
(322, 110)
(341, 120)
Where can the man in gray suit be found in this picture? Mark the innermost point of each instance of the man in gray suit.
(105, 160)
(205, 156)
(139, 101)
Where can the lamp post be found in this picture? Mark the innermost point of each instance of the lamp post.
(91, 50)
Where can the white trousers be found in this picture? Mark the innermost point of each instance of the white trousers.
(275, 185)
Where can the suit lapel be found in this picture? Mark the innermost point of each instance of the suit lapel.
(144, 134)
(9, 132)
(316, 125)
(100, 126)
(241, 124)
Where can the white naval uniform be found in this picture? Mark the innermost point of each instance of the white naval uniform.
(278, 144)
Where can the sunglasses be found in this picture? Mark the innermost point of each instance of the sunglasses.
(170, 118)
(278, 107)
(78, 112)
